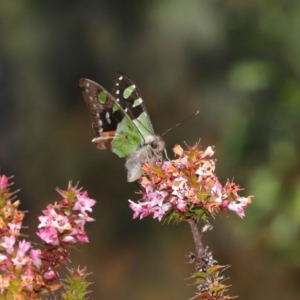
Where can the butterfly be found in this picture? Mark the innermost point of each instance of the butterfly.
(122, 124)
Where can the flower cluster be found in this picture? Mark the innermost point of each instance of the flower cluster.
(63, 222)
(26, 274)
(186, 188)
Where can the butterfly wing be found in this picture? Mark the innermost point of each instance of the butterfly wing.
(127, 94)
(129, 97)
(100, 103)
(114, 129)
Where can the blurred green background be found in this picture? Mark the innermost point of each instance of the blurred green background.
(236, 61)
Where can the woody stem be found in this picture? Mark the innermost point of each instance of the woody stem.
(197, 238)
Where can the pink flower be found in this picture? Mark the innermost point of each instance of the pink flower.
(49, 215)
(27, 279)
(49, 275)
(166, 165)
(84, 217)
(61, 223)
(206, 168)
(69, 239)
(179, 183)
(82, 237)
(84, 203)
(136, 207)
(143, 209)
(49, 235)
(209, 151)
(156, 197)
(179, 203)
(78, 232)
(14, 228)
(237, 207)
(23, 247)
(35, 255)
(3, 182)
(217, 191)
(159, 211)
(9, 243)
(140, 209)
(20, 260)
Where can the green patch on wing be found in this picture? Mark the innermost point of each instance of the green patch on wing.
(128, 91)
(115, 107)
(137, 102)
(143, 124)
(102, 97)
(127, 138)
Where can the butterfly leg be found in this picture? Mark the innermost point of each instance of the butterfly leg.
(166, 154)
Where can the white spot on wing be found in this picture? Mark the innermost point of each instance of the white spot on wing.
(126, 109)
(117, 92)
(87, 84)
(107, 118)
(117, 99)
(121, 77)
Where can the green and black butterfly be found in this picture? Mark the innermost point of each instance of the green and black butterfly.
(121, 123)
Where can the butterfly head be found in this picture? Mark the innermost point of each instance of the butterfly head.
(156, 143)
(149, 152)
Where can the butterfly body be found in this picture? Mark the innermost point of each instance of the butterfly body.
(121, 123)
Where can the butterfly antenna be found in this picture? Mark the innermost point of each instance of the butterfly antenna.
(191, 116)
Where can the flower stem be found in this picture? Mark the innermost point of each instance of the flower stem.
(197, 238)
